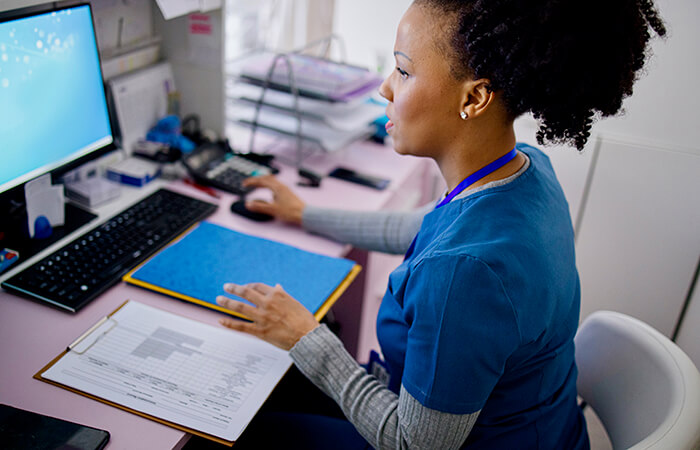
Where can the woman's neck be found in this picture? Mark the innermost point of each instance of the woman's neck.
(475, 152)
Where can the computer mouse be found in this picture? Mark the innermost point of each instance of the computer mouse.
(239, 208)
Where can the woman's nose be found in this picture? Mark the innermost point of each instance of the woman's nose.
(385, 89)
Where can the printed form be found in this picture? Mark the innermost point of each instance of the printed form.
(205, 378)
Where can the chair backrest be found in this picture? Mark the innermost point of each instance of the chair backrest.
(642, 386)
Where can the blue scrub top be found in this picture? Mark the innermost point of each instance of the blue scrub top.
(482, 315)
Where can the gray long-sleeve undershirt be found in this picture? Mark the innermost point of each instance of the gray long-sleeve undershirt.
(381, 231)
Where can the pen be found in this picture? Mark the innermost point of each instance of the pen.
(205, 189)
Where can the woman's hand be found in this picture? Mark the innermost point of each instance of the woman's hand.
(277, 318)
(285, 205)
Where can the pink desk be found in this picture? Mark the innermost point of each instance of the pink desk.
(32, 334)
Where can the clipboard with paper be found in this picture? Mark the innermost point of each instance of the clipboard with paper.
(195, 377)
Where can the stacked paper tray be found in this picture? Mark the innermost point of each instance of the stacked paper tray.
(312, 129)
(313, 77)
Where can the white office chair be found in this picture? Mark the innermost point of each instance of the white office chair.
(642, 386)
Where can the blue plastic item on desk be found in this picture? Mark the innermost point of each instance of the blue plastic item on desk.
(169, 124)
(168, 131)
(42, 228)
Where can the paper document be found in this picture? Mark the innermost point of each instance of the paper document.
(176, 8)
(209, 379)
(140, 100)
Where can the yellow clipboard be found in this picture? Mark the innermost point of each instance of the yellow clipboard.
(38, 376)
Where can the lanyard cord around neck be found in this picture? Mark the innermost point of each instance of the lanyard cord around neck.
(488, 169)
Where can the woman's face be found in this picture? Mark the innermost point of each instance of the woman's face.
(424, 98)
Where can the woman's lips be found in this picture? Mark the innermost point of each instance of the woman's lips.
(388, 125)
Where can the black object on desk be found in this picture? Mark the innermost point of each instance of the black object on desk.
(360, 178)
(238, 207)
(312, 179)
(21, 429)
(78, 272)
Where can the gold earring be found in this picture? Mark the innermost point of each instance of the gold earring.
(463, 115)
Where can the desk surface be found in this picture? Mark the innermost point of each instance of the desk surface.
(32, 334)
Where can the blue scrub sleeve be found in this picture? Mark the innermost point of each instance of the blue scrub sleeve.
(462, 331)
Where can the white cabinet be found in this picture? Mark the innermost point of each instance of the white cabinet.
(639, 240)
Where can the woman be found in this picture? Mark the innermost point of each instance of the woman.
(477, 323)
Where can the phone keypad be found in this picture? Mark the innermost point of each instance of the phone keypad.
(241, 165)
(229, 174)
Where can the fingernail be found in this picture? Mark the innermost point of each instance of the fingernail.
(229, 287)
(220, 300)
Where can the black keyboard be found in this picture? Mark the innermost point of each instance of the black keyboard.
(80, 271)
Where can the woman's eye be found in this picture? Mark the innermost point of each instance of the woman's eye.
(402, 72)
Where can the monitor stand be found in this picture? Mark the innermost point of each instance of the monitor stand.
(16, 236)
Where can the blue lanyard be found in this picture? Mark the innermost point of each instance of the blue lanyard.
(471, 179)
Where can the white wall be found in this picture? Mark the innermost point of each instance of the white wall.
(198, 71)
(369, 29)
(664, 107)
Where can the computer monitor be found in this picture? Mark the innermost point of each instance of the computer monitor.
(53, 109)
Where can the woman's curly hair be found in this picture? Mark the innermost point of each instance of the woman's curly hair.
(563, 60)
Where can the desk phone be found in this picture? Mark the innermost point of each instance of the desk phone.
(214, 164)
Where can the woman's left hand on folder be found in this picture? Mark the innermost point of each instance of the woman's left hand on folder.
(276, 316)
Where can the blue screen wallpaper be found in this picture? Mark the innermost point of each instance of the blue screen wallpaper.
(52, 102)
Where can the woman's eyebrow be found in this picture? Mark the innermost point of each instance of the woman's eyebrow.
(403, 54)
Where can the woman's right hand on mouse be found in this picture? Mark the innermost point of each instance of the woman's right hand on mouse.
(285, 204)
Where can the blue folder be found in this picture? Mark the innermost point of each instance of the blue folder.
(195, 268)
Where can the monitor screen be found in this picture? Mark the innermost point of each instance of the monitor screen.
(52, 102)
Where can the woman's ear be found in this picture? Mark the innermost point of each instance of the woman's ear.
(477, 97)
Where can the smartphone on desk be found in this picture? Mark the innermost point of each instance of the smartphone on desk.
(20, 429)
(354, 176)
